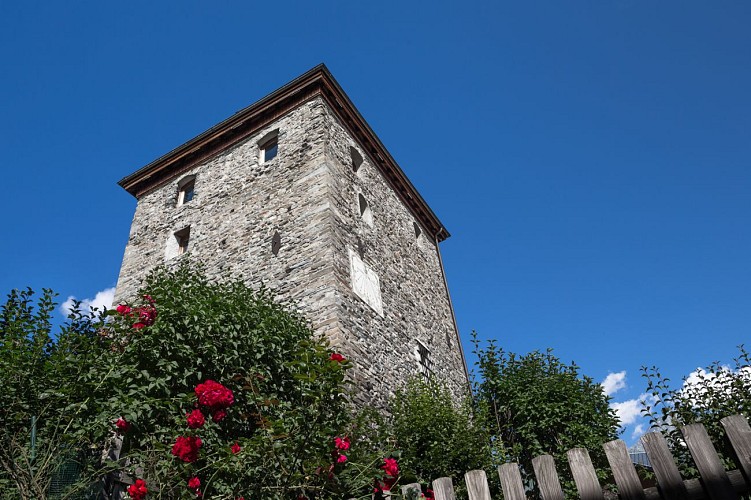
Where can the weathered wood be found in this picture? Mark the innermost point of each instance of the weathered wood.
(413, 487)
(477, 485)
(739, 433)
(629, 485)
(662, 462)
(715, 484)
(710, 467)
(739, 482)
(443, 489)
(695, 491)
(584, 474)
(547, 478)
(511, 482)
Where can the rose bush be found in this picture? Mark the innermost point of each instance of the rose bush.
(188, 349)
(142, 383)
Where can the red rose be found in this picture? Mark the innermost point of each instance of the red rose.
(429, 495)
(138, 326)
(123, 309)
(138, 490)
(186, 448)
(235, 448)
(122, 425)
(392, 471)
(146, 315)
(149, 299)
(196, 419)
(194, 483)
(390, 467)
(341, 459)
(218, 416)
(335, 356)
(341, 443)
(214, 395)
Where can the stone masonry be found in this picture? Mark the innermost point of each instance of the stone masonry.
(330, 224)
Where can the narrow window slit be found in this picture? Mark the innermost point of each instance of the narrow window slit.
(276, 243)
(183, 239)
(365, 212)
(356, 158)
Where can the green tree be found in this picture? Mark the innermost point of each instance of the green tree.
(44, 395)
(708, 396)
(534, 404)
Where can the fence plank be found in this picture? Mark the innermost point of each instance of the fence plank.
(443, 489)
(629, 485)
(739, 433)
(511, 482)
(477, 485)
(584, 474)
(695, 491)
(411, 487)
(547, 478)
(663, 464)
(705, 457)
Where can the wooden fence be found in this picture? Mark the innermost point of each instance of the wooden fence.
(715, 484)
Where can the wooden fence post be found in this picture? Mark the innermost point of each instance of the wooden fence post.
(411, 487)
(629, 485)
(584, 474)
(705, 457)
(477, 485)
(511, 482)
(739, 433)
(668, 478)
(443, 489)
(547, 478)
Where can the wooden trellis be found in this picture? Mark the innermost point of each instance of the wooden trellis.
(715, 483)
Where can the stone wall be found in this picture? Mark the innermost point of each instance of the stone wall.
(415, 301)
(239, 204)
(309, 194)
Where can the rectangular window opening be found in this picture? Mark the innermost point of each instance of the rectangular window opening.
(183, 239)
(269, 150)
(187, 191)
(425, 364)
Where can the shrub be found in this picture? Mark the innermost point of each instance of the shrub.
(239, 388)
(708, 396)
(437, 437)
(288, 394)
(534, 405)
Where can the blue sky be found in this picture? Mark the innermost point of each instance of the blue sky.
(590, 158)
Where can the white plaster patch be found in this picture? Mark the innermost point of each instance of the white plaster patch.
(365, 282)
(171, 248)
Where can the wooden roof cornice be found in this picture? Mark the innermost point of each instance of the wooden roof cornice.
(248, 121)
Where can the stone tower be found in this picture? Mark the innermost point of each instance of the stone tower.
(297, 192)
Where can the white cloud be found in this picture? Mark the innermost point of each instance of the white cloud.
(627, 411)
(614, 382)
(101, 300)
(700, 382)
(638, 431)
(630, 410)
